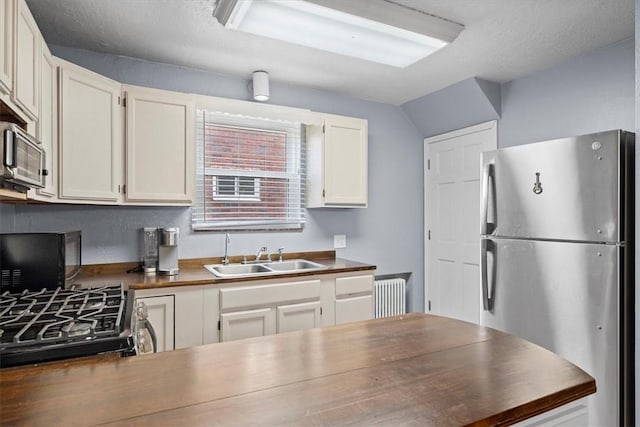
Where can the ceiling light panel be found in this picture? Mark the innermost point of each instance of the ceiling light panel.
(319, 27)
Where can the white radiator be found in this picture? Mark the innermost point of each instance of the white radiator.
(390, 297)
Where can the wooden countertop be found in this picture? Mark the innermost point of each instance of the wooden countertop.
(192, 272)
(413, 369)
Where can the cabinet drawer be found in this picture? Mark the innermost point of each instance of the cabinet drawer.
(354, 309)
(265, 295)
(354, 285)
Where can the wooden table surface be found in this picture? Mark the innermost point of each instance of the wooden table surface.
(413, 369)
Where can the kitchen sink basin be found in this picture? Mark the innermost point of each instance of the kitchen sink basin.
(275, 267)
(292, 265)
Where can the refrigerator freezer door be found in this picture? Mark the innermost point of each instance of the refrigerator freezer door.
(566, 189)
(564, 297)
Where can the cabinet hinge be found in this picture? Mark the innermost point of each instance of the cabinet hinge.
(323, 192)
(322, 128)
(428, 164)
(320, 311)
(429, 234)
(124, 102)
(118, 189)
(429, 304)
(124, 189)
(119, 101)
(219, 321)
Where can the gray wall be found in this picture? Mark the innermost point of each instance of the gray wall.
(593, 92)
(590, 93)
(388, 233)
(463, 104)
(7, 218)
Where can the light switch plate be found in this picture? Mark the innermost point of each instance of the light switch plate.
(339, 241)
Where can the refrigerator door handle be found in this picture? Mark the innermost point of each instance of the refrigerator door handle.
(488, 284)
(488, 186)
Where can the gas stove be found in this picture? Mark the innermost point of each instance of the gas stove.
(47, 325)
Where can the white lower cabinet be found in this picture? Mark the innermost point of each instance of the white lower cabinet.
(298, 317)
(188, 316)
(182, 316)
(354, 298)
(574, 414)
(161, 317)
(354, 309)
(247, 324)
(255, 310)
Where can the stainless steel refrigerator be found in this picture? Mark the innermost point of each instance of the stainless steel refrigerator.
(557, 257)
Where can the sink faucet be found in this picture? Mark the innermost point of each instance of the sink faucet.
(262, 250)
(227, 240)
(280, 250)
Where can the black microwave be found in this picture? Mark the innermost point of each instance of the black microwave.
(35, 261)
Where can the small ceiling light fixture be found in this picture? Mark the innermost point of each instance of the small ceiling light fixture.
(260, 85)
(375, 30)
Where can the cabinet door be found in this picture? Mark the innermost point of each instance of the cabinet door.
(161, 317)
(160, 146)
(47, 122)
(574, 414)
(247, 324)
(345, 161)
(354, 309)
(26, 51)
(297, 317)
(90, 135)
(6, 47)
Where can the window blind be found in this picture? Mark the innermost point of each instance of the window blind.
(250, 173)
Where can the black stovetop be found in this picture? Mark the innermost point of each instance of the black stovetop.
(37, 326)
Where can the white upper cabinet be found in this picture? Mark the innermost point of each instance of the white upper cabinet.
(337, 163)
(6, 47)
(160, 129)
(26, 56)
(90, 136)
(47, 129)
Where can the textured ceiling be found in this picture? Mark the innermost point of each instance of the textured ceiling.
(502, 40)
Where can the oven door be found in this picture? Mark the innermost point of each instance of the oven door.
(144, 336)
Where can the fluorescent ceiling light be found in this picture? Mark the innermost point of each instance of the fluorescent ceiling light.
(312, 25)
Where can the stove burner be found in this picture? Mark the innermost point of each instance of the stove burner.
(95, 305)
(61, 315)
(46, 325)
(76, 329)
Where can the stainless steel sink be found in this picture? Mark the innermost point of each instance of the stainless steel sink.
(293, 265)
(276, 267)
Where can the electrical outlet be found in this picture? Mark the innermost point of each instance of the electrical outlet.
(339, 241)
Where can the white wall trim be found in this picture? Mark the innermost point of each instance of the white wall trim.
(460, 132)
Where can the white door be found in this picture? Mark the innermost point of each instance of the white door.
(452, 219)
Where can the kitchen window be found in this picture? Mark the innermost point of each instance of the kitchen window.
(249, 173)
